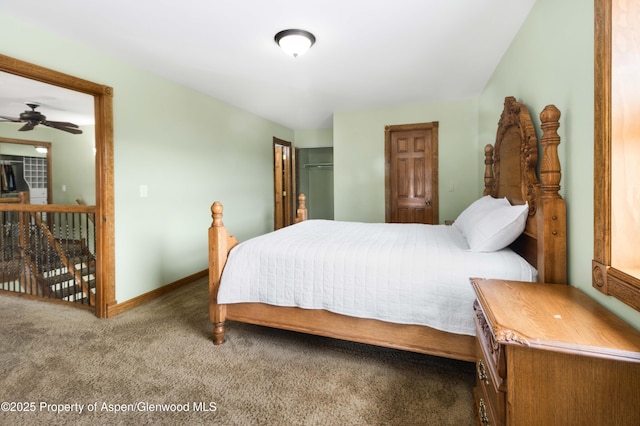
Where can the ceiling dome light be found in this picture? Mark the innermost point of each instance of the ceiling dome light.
(295, 42)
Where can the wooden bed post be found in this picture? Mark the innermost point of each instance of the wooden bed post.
(552, 247)
(489, 179)
(220, 242)
(301, 213)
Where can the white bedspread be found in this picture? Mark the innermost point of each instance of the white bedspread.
(402, 273)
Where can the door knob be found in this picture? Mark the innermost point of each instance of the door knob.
(428, 202)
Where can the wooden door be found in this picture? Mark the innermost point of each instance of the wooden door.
(283, 183)
(411, 173)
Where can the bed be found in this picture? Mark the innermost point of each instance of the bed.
(510, 177)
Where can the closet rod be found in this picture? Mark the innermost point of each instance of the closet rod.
(318, 165)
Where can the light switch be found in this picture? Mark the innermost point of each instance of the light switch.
(144, 191)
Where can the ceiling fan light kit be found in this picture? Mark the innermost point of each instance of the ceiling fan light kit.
(33, 118)
(295, 42)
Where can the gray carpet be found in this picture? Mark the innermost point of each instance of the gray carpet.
(156, 365)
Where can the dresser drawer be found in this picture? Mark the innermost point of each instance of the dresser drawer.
(492, 353)
(492, 401)
(490, 374)
(484, 411)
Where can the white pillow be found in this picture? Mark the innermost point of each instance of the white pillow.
(477, 210)
(498, 228)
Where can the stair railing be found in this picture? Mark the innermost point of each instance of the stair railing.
(71, 267)
(28, 231)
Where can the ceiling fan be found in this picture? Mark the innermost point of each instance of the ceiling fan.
(33, 118)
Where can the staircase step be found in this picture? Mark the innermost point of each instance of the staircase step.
(78, 296)
(73, 292)
(63, 285)
(87, 273)
(11, 285)
(64, 293)
(59, 279)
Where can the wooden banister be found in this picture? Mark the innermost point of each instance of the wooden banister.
(82, 203)
(21, 198)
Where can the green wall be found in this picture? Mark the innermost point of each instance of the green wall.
(551, 62)
(188, 148)
(72, 157)
(313, 138)
(358, 154)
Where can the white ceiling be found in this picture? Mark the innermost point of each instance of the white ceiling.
(368, 53)
(56, 103)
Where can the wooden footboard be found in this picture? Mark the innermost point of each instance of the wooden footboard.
(220, 243)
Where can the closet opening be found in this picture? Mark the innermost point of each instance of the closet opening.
(315, 180)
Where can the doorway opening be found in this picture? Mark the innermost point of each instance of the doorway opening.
(315, 179)
(283, 183)
(103, 110)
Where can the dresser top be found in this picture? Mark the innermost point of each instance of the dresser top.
(555, 317)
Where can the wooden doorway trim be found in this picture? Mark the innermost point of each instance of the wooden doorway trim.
(103, 110)
(430, 169)
(283, 183)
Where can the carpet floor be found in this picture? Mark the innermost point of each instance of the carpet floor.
(155, 364)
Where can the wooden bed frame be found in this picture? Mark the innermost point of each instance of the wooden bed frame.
(510, 170)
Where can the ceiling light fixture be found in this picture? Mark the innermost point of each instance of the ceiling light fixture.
(295, 42)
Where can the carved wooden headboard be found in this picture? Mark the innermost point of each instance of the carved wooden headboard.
(510, 171)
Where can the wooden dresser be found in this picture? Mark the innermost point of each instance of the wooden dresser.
(548, 354)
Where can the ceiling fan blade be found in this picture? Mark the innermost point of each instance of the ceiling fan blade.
(63, 123)
(11, 119)
(62, 126)
(70, 130)
(27, 126)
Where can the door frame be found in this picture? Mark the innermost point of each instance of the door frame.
(103, 111)
(284, 173)
(388, 134)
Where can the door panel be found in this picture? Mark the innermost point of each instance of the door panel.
(411, 173)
